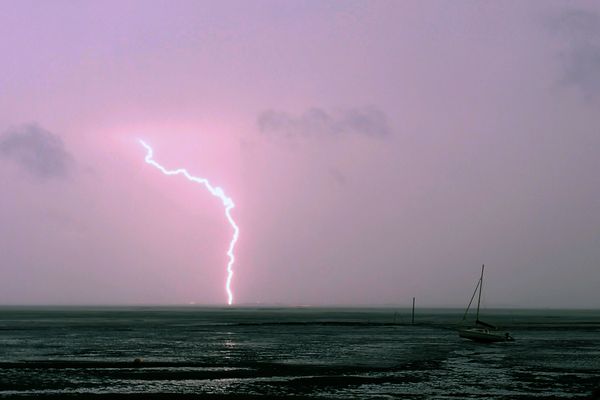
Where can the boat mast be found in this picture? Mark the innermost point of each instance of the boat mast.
(480, 287)
(471, 301)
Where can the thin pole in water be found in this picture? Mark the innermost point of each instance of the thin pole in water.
(413, 312)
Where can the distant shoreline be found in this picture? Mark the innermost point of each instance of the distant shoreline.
(286, 307)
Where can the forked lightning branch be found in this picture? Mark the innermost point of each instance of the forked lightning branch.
(215, 191)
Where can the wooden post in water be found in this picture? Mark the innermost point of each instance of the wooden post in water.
(413, 312)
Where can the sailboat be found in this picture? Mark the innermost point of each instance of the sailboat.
(482, 331)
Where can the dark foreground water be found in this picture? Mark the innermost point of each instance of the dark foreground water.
(301, 352)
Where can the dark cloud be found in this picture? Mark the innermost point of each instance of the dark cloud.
(368, 121)
(36, 150)
(581, 29)
(338, 176)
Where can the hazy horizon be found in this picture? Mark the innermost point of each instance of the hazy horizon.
(400, 307)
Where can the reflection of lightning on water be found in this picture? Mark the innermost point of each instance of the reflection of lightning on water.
(215, 191)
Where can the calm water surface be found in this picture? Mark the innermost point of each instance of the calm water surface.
(304, 352)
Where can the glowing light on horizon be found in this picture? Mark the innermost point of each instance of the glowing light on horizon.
(215, 191)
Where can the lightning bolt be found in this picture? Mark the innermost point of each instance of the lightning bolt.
(215, 191)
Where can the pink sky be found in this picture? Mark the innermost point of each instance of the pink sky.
(375, 150)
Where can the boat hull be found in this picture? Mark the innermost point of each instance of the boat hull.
(484, 335)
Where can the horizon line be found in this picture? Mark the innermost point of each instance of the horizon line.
(283, 305)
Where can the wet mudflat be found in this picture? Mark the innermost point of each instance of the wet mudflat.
(222, 353)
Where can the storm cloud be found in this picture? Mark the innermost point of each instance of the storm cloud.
(581, 59)
(316, 122)
(36, 150)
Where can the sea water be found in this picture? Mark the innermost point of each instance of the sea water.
(306, 352)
